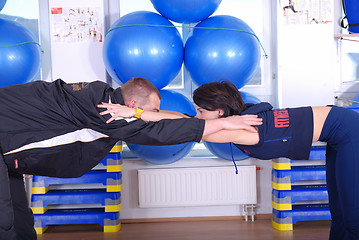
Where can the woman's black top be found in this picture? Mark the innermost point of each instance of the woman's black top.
(284, 133)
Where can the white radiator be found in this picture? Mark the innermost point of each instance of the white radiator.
(177, 187)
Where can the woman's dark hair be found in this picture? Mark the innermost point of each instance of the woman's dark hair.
(219, 95)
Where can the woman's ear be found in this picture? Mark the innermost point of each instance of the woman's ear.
(220, 112)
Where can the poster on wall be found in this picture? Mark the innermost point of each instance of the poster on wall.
(76, 35)
(76, 24)
(306, 11)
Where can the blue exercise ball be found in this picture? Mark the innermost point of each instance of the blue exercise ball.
(2, 4)
(174, 101)
(186, 11)
(151, 52)
(20, 56)
(170, 153)
(249, 98)
(227, 150)
(351, 12)
(215, 54)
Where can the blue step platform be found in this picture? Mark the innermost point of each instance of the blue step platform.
(284, 220)
(111, 180)
(284, 199)
(111, 201)
(283, 179)
(316, 153)
(111, 163)
(109, 220)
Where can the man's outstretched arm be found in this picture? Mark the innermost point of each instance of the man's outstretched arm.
(191, 126)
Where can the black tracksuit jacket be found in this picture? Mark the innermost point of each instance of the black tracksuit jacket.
(54, 129)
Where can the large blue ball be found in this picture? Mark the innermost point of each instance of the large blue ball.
(217, 54)
(249, 98)
(352, 16)
(174, 101)
(151, 52)
(20, 57)
(2, 4)
(227, 150)
(167, 154)
(186, 11)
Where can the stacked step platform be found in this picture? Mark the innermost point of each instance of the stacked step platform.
(94, 198)
(299, 191)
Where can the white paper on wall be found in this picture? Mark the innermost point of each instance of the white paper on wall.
(77, 35)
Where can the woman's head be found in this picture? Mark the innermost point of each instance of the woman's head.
(218, 99)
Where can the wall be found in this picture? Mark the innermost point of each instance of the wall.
(307, 65)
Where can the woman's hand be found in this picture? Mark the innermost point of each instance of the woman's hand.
(117, 110)
(245, 122)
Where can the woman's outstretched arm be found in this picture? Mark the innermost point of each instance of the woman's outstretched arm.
(243, 137)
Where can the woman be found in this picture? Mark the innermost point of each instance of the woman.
(290, 133)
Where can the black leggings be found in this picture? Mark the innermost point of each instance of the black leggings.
(16, 218)
(341, 132)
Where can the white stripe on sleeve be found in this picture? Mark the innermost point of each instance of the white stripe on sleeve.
(83, 135)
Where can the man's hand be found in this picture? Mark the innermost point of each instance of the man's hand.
(116, 110)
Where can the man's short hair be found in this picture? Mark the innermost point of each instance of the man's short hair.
(140, 89)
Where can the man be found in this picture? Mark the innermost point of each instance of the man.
(55, 129)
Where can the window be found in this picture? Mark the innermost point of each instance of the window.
(349, 55)
(349, 59)
(258, 14)
(25, 13)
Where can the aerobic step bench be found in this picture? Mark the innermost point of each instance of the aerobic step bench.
(283, 179)
(285, 199)
(110, 201)
(111, 163)
(112, 181)
(109, 220)
(284, 220)
(316, 153)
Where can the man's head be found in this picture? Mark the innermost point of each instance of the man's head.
(139, 92)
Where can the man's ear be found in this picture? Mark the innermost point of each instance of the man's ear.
(132, 103)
